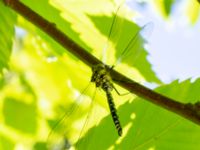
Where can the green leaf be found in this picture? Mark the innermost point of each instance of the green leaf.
(149, 126)
(2, 82)
(40, 146)
(168, 6)
(164, 6)
(7, 22)
(20, 115)
(52, 14)
(6, 143)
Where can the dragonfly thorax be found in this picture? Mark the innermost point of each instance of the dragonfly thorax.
(101, 77)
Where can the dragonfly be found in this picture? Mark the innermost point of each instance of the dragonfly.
(102, 78)
(101, 72)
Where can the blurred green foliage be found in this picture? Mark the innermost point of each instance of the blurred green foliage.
(14, 110)
(7, 22)
(43, 81)
(190, 10)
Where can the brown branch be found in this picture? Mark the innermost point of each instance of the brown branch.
(189, 111)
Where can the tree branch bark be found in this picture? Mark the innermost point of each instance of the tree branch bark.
(188, 111)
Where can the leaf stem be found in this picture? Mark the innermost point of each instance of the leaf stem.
(188, 110)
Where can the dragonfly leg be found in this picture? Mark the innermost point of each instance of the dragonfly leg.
(120, 94)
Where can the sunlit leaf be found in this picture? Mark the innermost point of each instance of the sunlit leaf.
(54, 15)
(82, 23)
(193, 11)
(6, 143)
(162, 7)
(7, 22)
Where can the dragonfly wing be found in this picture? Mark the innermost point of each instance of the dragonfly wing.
(90, 129)
(133, 44)
(60, 131)
(113, 33)
(147, 30)
(83, 142)
(62, 138)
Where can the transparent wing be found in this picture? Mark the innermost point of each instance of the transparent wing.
(125, 39)
(134, 45)
(94, 117)
(59, 136)
(113, 33)
(88, 121)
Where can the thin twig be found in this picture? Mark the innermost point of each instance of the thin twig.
(189, 111)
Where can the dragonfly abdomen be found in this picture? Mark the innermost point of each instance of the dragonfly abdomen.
(114, 112)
